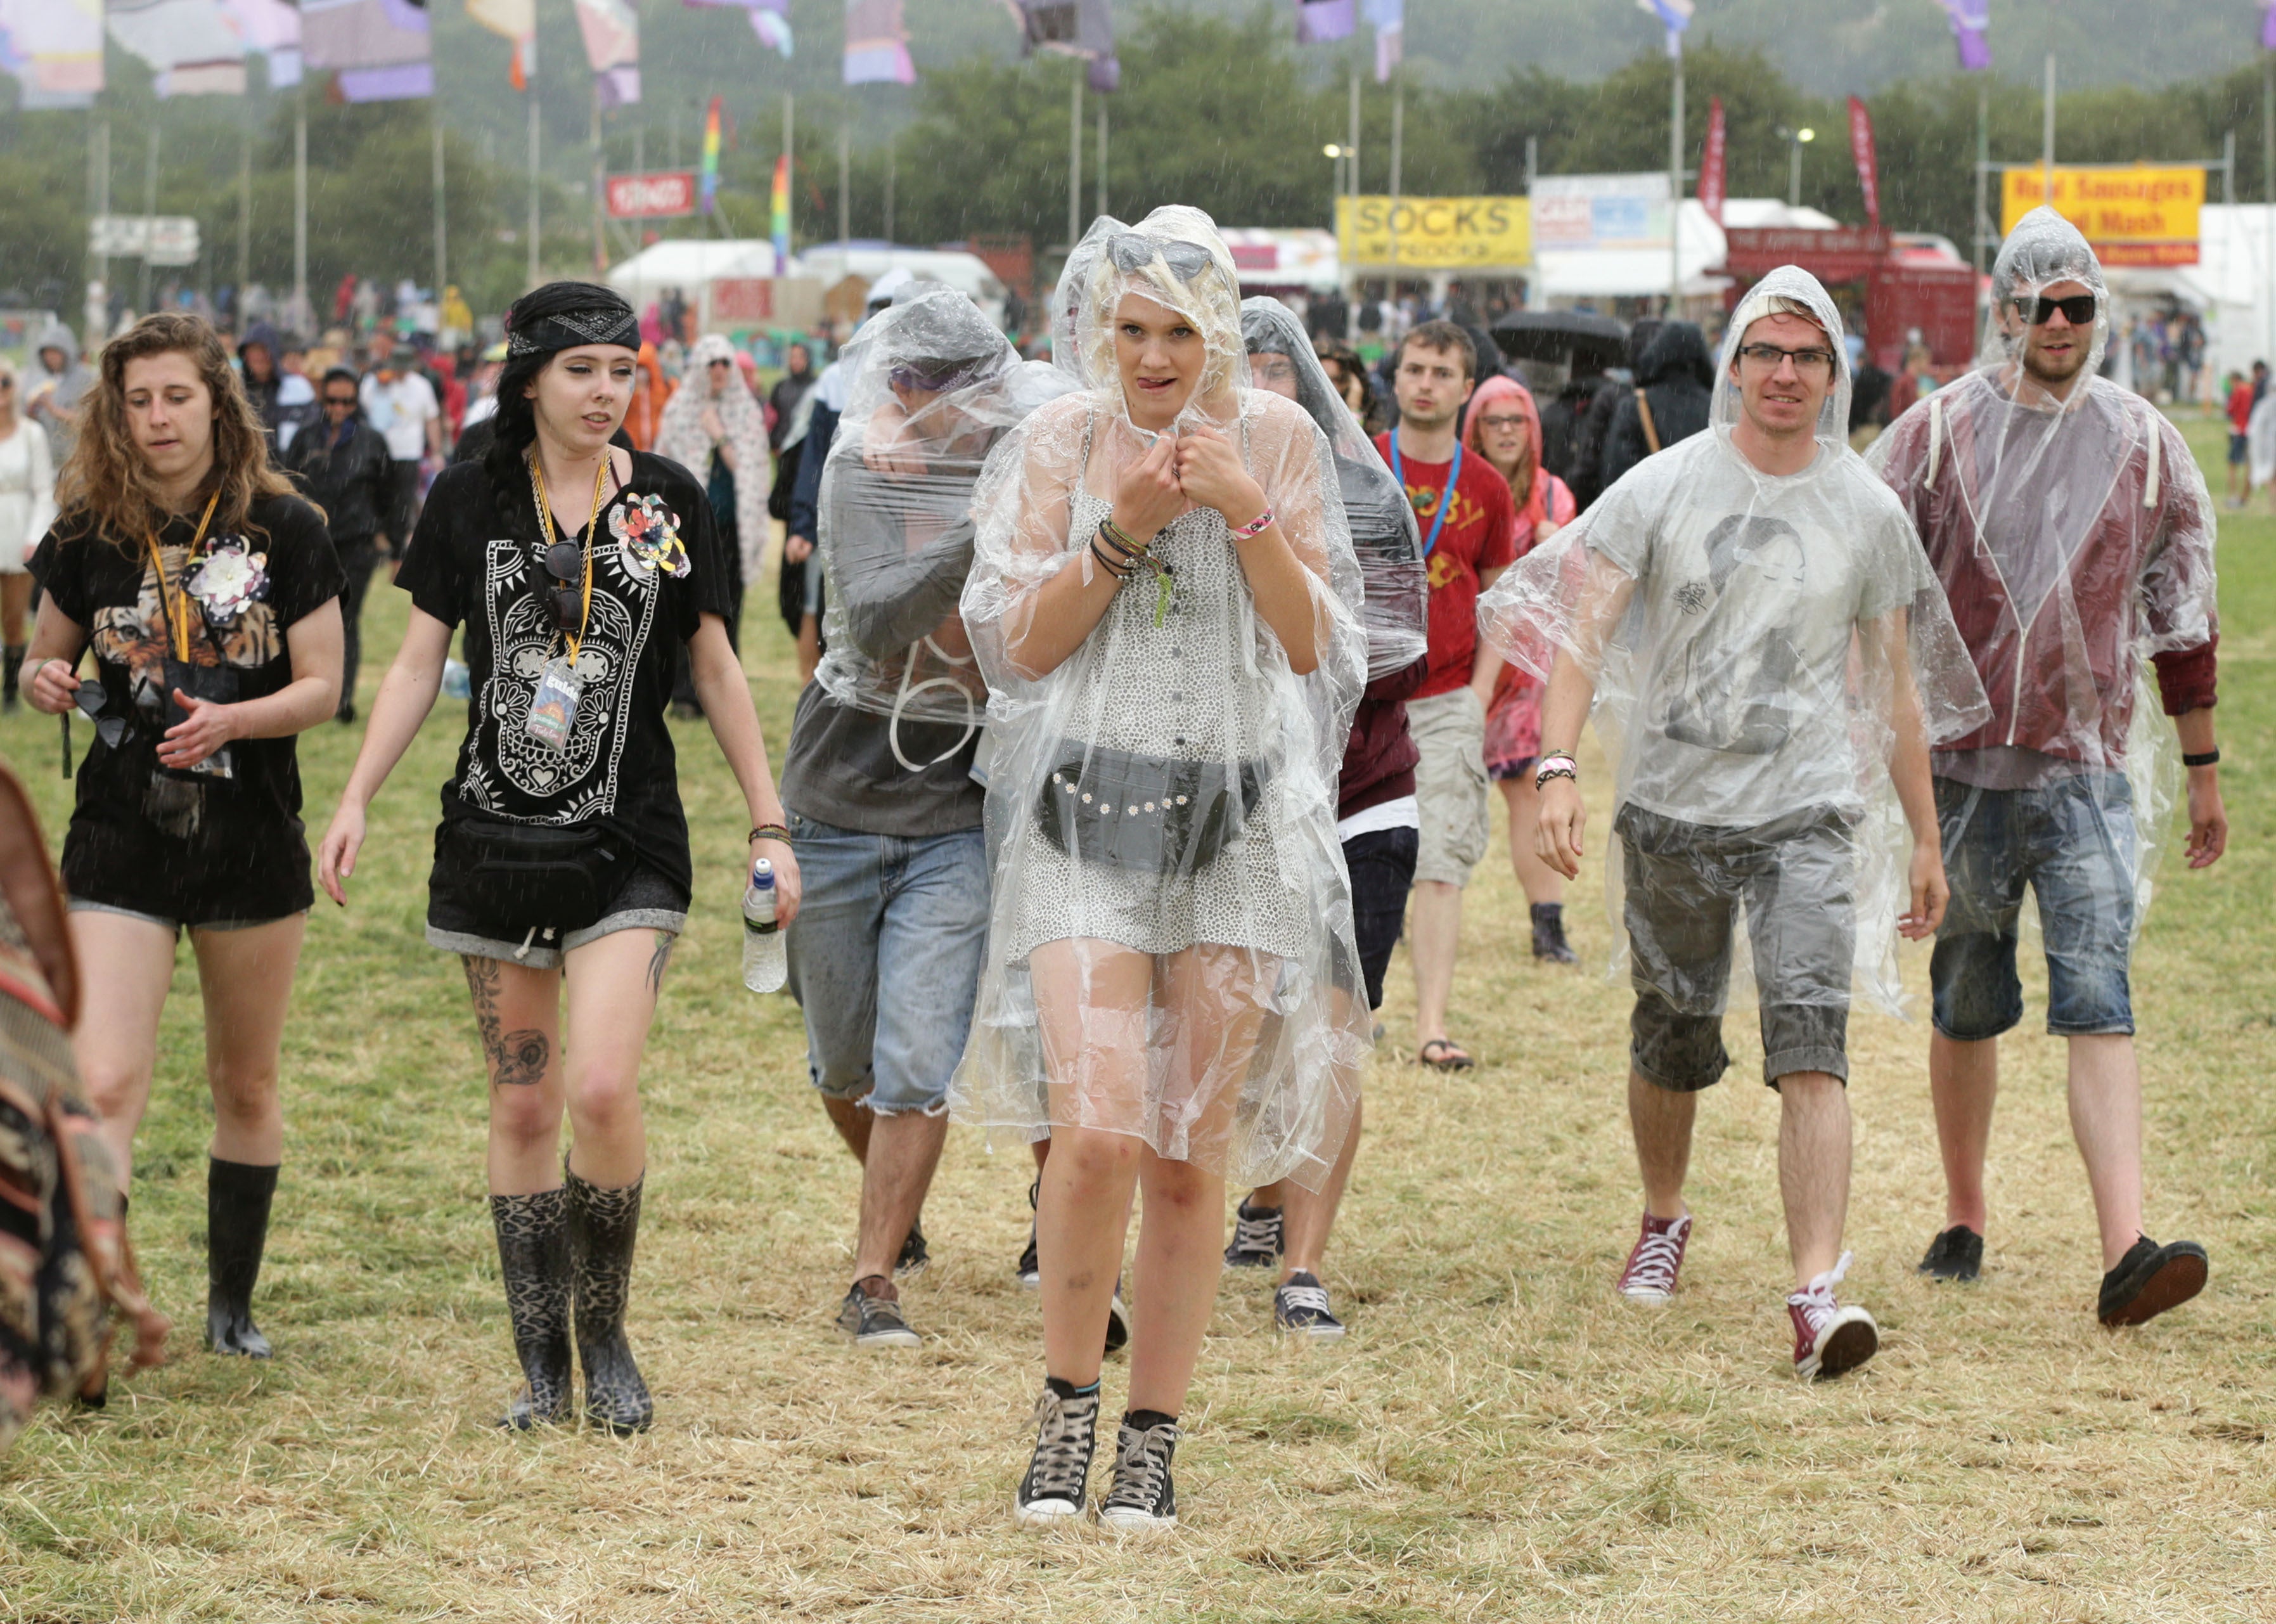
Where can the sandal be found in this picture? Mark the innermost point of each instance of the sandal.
(1452, 1057)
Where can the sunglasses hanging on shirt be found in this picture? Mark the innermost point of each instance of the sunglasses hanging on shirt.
(553, 707)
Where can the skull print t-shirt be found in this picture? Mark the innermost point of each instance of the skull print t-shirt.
(223, 842)
(476, 560)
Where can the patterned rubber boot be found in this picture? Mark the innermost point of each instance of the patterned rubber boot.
(532, 1242)
(238, 1198)
(604, 1225)
(14, 654)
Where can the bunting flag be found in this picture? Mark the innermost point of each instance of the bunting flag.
(1711, 161)
(707, 177)
(1083, 28)
(1971, 22)
(53, 48)
(611, 31)
(189, 43)
(770, 19)
(1322, 22)
(1868, 164)
(779, 213)
(379, 50)
(1674, 16)
(273, 28)
(878, 44)
(1389, 18)
(515, 21)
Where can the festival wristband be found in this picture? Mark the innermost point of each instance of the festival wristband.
(2209, 758)
(769, 831)
(1555, 767)
(1255, 527)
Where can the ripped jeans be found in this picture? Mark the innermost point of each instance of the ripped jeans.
(884, 959)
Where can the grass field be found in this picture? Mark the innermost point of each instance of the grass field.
(1498, 1439)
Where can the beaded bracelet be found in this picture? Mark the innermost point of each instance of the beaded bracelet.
(1255, 527)
(768, 832)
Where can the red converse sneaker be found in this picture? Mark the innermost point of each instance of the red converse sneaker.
(1650, 1277)
(1829, 1339)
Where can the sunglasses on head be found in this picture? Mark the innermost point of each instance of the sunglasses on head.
(564, 563)
(1131, 251)
(2078, 309)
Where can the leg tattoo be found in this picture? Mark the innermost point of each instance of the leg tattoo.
(657, 960)
(518, 1058)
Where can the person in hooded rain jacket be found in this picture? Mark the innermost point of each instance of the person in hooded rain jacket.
(1674, 380)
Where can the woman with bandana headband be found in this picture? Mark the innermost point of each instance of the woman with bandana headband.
(1166, 604)
(579, 571)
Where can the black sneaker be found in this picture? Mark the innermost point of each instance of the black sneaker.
(1142, 1496)
(1956, 1255)
(1118, 1320)
(913, 1255)
(2151, 1278)
(1030, 1272)
(1059, 1473)
(1255, 1238)
(1300, 1308)
(874, 1322)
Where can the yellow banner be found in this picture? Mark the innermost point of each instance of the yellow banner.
(1437, 233)
(2132, 217)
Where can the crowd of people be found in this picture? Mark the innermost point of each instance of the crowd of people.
(1151, 695)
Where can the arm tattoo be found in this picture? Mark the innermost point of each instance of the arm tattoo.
(657, 960)
(516, 1057)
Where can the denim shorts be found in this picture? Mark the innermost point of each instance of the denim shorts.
(2073, 842)
(1683, 887)
(881, 911)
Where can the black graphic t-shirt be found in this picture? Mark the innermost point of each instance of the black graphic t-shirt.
(475, 560)
(225, 845)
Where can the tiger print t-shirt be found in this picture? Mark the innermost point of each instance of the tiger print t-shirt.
(224, 844)
(475, 560)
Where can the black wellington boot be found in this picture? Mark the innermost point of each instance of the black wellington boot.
(1549, 934)
(604, 1225)
(15, 656)
(236, 1229)
(532, 1242)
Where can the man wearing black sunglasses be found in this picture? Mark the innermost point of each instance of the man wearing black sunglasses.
(343, 466)
(2075, 538)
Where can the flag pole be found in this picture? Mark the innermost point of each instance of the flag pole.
(1675, 179)
(600, 188)
(532, 93)
(442, 241)
(300, 199)
(1074, 158)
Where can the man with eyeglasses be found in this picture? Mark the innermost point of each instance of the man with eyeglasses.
(2075, 537)
(1782, 660)
(343, 466)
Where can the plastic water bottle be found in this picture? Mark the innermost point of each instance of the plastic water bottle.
(764, 965)
(458, 681)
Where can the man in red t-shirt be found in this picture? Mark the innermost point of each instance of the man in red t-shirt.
(1469, 536)
(2240, 419)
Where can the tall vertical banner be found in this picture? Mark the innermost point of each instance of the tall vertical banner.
(53, 49)
(1389, 18)
(190, 44)
(707, 184)
(611, 32)
(878, 44)
(381, 49)
(2268, 24)
(1868, 164)
(1711, 188)
(1322, 22)
(515, 21)
(1971, 25)
(1083, 28)
(779, 213)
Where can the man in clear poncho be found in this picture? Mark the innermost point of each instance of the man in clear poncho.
(879, 779)
(1378, 822)
(1769, 657)
(1166, 607)
(2073, 536)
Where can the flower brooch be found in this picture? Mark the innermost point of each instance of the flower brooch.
(227, 578)
(648, 537)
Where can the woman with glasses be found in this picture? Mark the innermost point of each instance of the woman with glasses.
(27, 491)
(1165, 603)
(208, 594)
(579, 571)
(1504, 427)
(344, 464)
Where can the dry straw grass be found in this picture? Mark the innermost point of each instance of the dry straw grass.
(1496, 1439)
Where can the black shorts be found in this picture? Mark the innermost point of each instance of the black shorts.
(1382, 865)
(645, 900)
(218, 877)
(1684, 884)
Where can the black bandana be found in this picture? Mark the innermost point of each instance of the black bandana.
(566, 329)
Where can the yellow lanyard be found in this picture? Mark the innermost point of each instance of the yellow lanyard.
(177, 615)
(545, 523)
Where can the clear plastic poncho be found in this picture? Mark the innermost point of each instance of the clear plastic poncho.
(2074, 536)
(931, 386)
(1397, 583)
(1169, 954)
(1758, 644)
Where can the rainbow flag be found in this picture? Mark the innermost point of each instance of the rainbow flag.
(708, 180)
(780, 209)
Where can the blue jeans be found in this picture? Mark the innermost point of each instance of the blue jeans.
(2073, 841)
(881, 911)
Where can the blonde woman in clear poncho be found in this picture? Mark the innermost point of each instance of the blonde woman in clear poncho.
(2073, 536)
(1165, 603)
(1768, 659)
